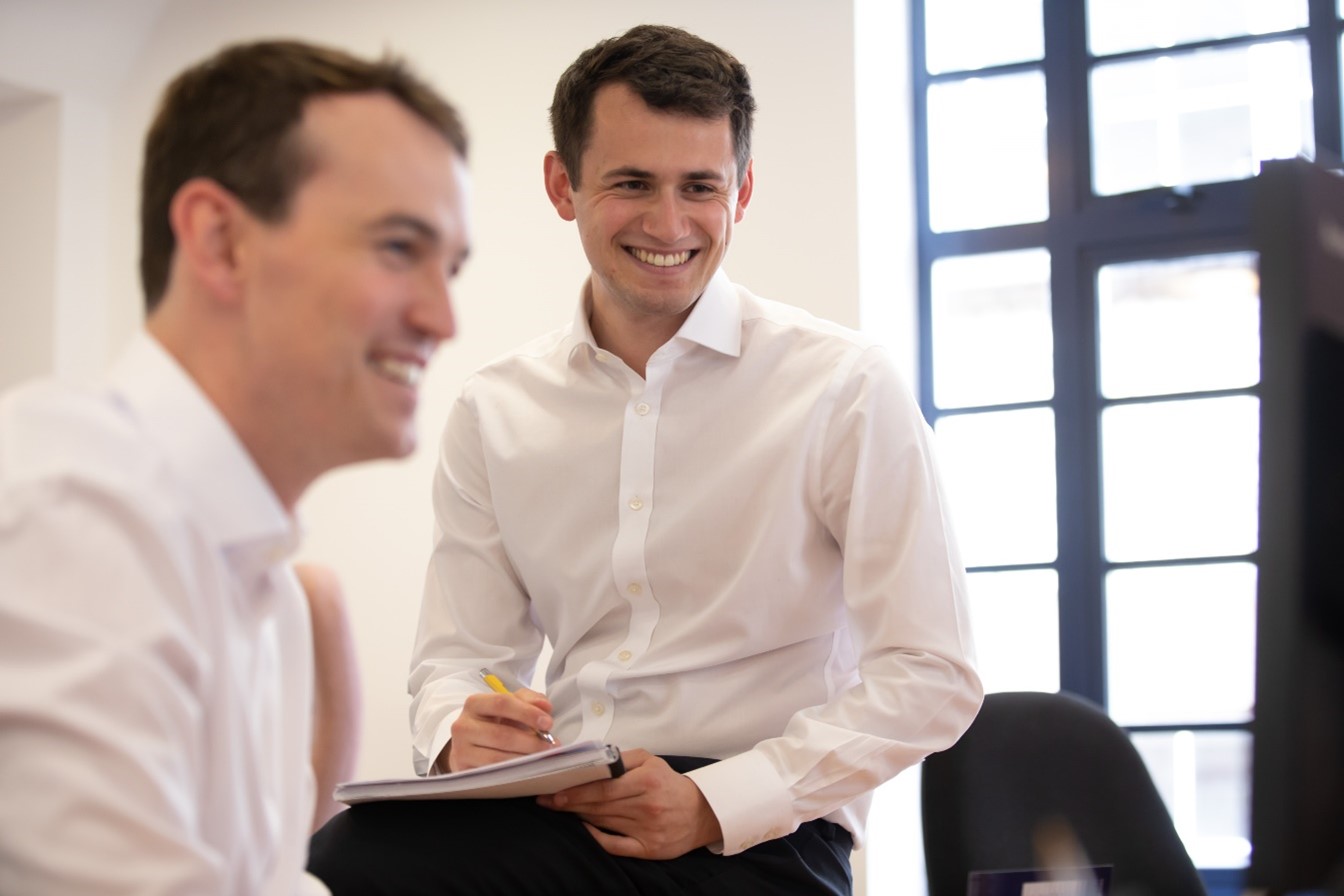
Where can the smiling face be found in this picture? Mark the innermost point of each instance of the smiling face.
(348, 296)
(658, 197)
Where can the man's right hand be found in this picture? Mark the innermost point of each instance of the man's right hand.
(494, 727)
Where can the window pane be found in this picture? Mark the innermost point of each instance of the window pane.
(987, 152)
(1180, 478)
(1015, 623)
(1115, 26)
(1181, 325)
(1199, 117)
(991, 329)
(999, 469)
(1203, 776)
(1180, 644)
(1004, 31)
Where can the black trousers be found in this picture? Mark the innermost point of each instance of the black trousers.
(516, 848)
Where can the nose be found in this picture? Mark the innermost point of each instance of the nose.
(665, 220)
(432, 311)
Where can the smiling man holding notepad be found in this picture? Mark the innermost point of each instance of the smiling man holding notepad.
(721, 511)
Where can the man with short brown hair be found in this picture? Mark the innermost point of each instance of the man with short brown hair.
(304, 214)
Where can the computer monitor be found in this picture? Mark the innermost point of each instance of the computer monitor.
(1297, 797)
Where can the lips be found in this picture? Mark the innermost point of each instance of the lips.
(662, 260)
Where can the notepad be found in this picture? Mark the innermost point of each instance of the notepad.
(545, 772)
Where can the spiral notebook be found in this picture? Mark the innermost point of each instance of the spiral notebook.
(537, 773)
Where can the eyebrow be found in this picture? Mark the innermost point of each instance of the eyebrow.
(640, 174)
(419, 225)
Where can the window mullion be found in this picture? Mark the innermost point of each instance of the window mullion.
(1323, 39)
(1081, 624)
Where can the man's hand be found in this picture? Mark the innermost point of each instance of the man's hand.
(650, 812)
(495, 727)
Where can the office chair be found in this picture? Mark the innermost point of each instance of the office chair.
(1035, 762)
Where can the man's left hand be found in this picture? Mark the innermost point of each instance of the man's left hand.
(650, 812)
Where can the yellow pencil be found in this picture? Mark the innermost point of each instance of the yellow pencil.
(497, 686)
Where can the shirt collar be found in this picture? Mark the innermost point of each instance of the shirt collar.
(714, 322)
(237, 506)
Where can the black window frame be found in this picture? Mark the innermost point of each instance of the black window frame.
(1082, 233)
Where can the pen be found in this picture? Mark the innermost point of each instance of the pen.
(497, 686)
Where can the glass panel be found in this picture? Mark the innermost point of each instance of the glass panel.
(1199, 117)
(987, 152)
(1203, 776)
(1180, 644)
(1115, 26)
(1015, 623)
(1180, 325)
(1180, 478)
(1004, 31)
(991, 329)
(999, 469)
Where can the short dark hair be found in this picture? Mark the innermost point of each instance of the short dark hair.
(670, 69)
(234, 118)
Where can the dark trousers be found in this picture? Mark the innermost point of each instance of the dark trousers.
(516, 848)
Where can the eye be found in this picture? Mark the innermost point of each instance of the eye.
(631, 186)
(399, 250)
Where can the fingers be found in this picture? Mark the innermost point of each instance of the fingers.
(523, 709)
(618, 844)
(494, 727)
(650, 812)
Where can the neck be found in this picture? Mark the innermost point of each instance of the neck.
(209, 363)
(631, 338)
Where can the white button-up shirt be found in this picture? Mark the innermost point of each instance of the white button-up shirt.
(155, 648)
(743, 556)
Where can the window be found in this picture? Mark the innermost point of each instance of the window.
(1089, 349)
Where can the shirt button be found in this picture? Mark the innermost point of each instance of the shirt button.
(636, 503)
(642, 408)
(599, 709)
(624, 656)
(634, 588)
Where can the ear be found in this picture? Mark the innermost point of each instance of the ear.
(558, 188)
(744, 191)
(207, 223)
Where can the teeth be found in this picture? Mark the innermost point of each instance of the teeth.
(662, 261)
(408, 373)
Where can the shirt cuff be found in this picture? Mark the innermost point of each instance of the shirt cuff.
(748, 798)
(442, 734)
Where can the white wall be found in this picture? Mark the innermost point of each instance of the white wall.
(62, 66)
(29, 133)
(799, 242)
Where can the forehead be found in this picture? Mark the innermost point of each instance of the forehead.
(628, 133)
(370, 155)
(364, 129)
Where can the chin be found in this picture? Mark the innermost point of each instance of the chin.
(390, 445)
(403, 447)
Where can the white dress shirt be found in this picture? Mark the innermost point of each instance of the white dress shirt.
(155, 650)
(743, 556)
